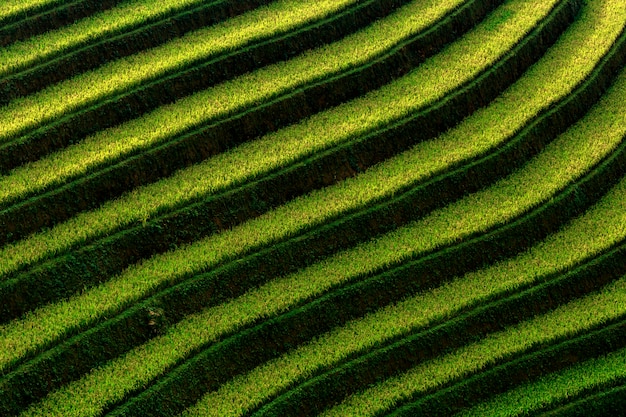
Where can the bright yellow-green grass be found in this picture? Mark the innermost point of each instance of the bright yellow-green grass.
(555, 387)
(250, 160)
(592, 233)
(86, 396)
(548, 172)
(24, 53)
(566, 321)
(460, 62)
(275, 225)
(352, 51)
(117, 76)
(589, 38)
(23, 7)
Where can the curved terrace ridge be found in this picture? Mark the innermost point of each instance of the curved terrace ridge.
(357, 207)
(561, 112)
(125, 30)
(362, 296)
(454, 108)
(98, 180)
(131, 86)
(543, 155)
(35, 297)
(21, 19)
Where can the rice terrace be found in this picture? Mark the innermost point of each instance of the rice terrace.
(312, 207)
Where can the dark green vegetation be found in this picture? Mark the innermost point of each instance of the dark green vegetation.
(356, 207)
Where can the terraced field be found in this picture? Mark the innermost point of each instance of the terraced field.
(298, 208)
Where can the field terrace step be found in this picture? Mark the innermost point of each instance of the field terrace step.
(305, 380)
(321, 237)
(583, 382)
(501, 378)
(267, 261)
(31, 18)
(185, 150)
(599, 191)
(584, 329)
(586, 254)
(31, 289)
(37, 62)
(196, 370)
(126, 88)
(491, 243)
(113, 177)
(353, 301)
(360, 226)
(357, 297)
(601, 340)
(611, 402)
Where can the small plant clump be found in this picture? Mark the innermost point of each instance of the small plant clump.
(156, 320)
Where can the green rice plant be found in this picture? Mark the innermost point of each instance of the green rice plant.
(205, 74)
(505, 19)
(555, 388)
(12, 8)
(134, 313)
(393, 174)
(119, 76)
(288, 145)
(609, 402)
(355, 50)
(97, 388)
(286, 221)
(129, 14)
(455, 66)
(564, 322)
(69, 46)
(592, 233)
(510, 198)
(327, 60)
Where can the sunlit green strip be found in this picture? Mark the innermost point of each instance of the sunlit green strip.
(116, 77)
(597, 230)
(568, 320)
(49, 323)
(24, 7)
(230, 97)
(481, 132)
(30, 51)
(555, 388)
(549, 172)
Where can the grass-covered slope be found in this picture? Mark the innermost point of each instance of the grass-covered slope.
(191, 128)
(286, 208)
(325, 117)
(22, 19)
(130, 86)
